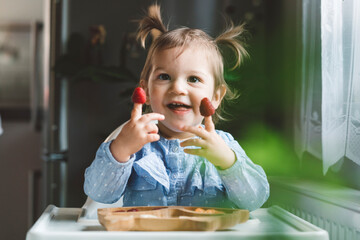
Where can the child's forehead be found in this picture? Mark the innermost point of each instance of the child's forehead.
(195, 48)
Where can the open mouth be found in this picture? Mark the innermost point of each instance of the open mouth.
(178, 106)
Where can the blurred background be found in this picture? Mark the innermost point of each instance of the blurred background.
(68, 68)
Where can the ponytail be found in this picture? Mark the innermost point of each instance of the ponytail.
(232, 38)
(151, 23)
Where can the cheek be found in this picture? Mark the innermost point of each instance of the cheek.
(155, 101)
(150, 93)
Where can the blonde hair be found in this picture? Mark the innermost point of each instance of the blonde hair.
(182, 37)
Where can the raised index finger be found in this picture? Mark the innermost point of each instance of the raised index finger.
(209, 124)
(137, 111)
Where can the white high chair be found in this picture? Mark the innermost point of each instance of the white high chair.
(90, 206)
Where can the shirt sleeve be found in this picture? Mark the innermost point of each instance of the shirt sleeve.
(106, 178)
(245, 182)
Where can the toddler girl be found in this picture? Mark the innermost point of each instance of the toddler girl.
(178, 161)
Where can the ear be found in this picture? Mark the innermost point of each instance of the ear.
(144, 85)
(218, 96)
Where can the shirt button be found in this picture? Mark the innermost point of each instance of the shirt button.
(175, 148)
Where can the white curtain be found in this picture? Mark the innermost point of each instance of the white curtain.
(308, 100)
(328, 122)
(340, 38)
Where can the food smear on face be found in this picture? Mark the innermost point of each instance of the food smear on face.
(206, 108)
(139, 95)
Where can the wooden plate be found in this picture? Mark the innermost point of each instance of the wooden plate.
(173, 218)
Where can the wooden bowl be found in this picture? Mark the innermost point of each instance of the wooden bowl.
(173, 218)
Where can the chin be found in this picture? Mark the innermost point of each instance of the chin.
(175, 129)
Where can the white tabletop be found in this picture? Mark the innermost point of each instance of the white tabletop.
(265, 223)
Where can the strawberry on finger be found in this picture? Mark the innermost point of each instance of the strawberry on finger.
(139, 95)
(206, 108)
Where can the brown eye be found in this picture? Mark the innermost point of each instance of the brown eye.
(164, 76)
(194, 79)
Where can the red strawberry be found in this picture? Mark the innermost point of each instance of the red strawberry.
(139, 96)
(206, 108)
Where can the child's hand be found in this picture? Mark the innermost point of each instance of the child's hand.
(135, 134)
(212, 146)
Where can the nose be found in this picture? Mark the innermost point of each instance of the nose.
(178, 87)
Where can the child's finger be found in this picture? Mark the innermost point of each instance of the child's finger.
(146, 118)
(197, 142)
(137, 111)
(196, 151)
(198, 131)
(209, 124)
(151, 128)
(152, 137)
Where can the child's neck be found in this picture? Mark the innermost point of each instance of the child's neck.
(170, 134)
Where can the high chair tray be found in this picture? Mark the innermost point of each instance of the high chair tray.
(174, 218)
(264, 223)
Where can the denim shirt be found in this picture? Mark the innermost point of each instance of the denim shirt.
(161, 174)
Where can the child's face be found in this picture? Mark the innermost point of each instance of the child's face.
(177, 84)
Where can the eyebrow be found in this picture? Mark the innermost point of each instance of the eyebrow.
(201, 74)
(158, 69)
(191, 72)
